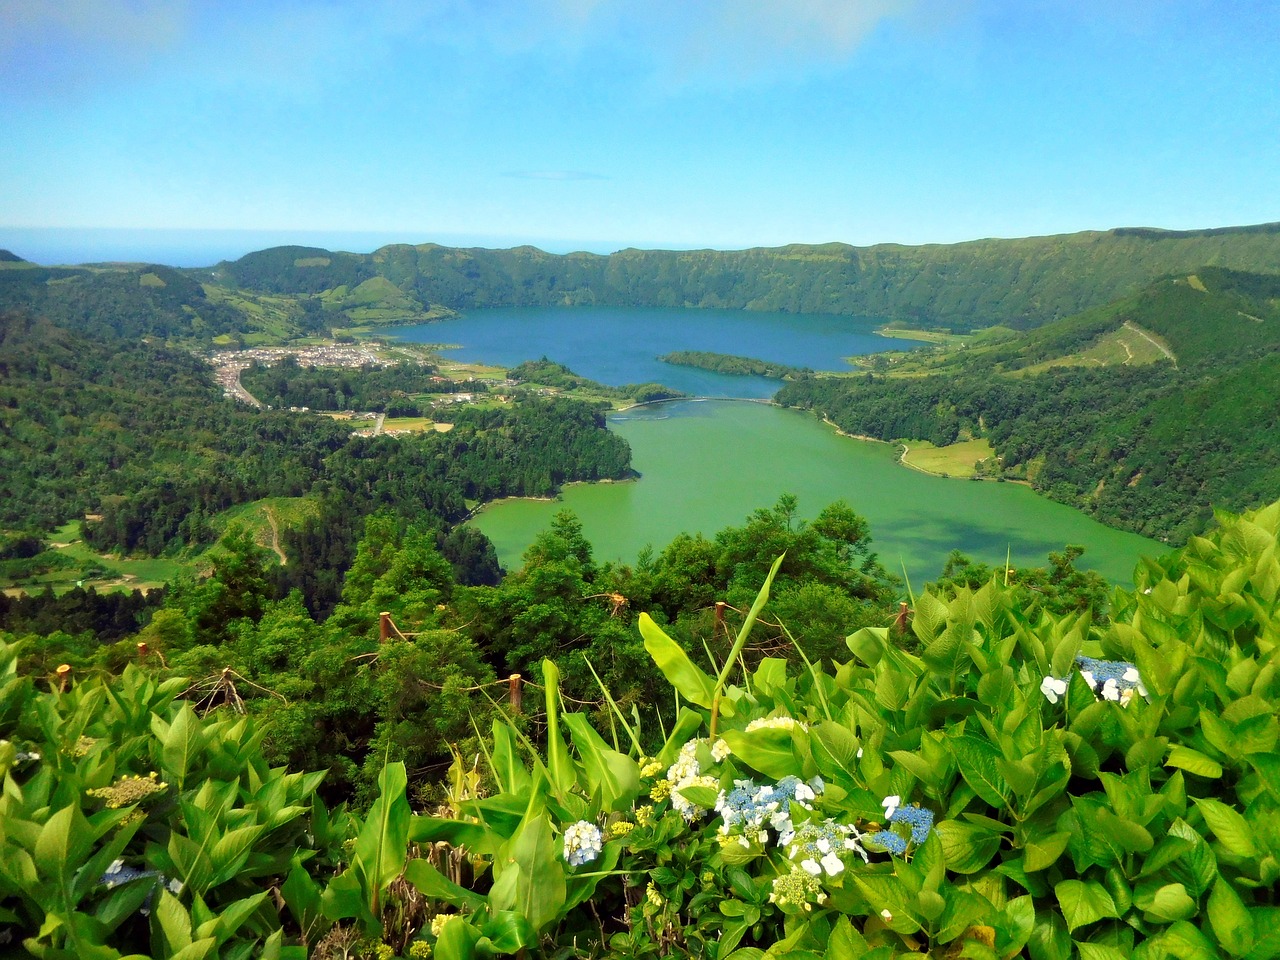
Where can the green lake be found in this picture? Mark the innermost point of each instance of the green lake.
(706, 465)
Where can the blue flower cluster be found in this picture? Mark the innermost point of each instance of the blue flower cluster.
(895, 844)
(918, 818)
(583, 842)
(751, 808)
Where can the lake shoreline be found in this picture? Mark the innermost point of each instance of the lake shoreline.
(903, 461)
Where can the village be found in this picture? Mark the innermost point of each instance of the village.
(229, 364)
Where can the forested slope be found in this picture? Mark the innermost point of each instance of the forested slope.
(1020, 283)
(1149, 447)
(140, 437)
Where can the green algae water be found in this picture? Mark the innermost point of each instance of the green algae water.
(706, 465)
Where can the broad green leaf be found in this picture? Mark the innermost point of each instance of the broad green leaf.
(382, 844)
(457, 833)
(1099, 951)
(966, 847)
(771, 750)
(613, 776)
(834, 749)
(976, 760)
(704, 797)
(302, 896)
(1228, 826)
(559, 765)
(1044, 850)
(1198, 867)
(174, 922)
(1230, 919)
(457, 941)
(868, 644)
(431, 882)
(64, 840)
(845, 942)
(1193, 761)
(230, 918)
(231, 852)
(680, 671)
(1185, 941)
(508, 770)
(1167, 904)
(180, 743)
(1083, 902)
(507, 932)
(1049, 938)
(532, 879)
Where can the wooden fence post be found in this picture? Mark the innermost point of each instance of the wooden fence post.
(64, 674)
(384, 626)
(513, 692)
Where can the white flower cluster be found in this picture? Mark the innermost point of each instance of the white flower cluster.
(686, 772)
(583, 842)
(820, 847)
(1113, 680)
(1053, 688)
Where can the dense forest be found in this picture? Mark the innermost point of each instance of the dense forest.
(548, 373)
(738, 366)
(1148, 447)
(137, 438)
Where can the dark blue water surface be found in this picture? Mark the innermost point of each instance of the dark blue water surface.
(621, 345)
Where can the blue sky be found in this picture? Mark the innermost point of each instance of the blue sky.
(603, 123)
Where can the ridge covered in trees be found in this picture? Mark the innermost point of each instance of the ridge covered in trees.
(963, 286)
(1142, 446)
(294, 291)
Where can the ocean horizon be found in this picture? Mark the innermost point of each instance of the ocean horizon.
(57, 246)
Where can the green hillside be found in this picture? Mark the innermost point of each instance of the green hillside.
(1145, 445)
(1020, 283)
(134, 301)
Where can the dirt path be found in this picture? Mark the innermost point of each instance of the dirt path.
(275, 537)
(1153, 341)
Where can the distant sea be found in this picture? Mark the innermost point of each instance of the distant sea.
(53, 246)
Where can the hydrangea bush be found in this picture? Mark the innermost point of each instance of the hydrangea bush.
(1022, 785)
(1003, 782)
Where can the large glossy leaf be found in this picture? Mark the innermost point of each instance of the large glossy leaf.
(1230, 828)
(770, 750)
(694, 685)
(613, 777)
(531, 880)
(382, 843)
(1230, 919)
(966, 847)
(976, 760)
(559, 765)
(431, 882)
(1084, 902)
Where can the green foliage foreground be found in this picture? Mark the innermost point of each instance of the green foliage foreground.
(982, 787)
